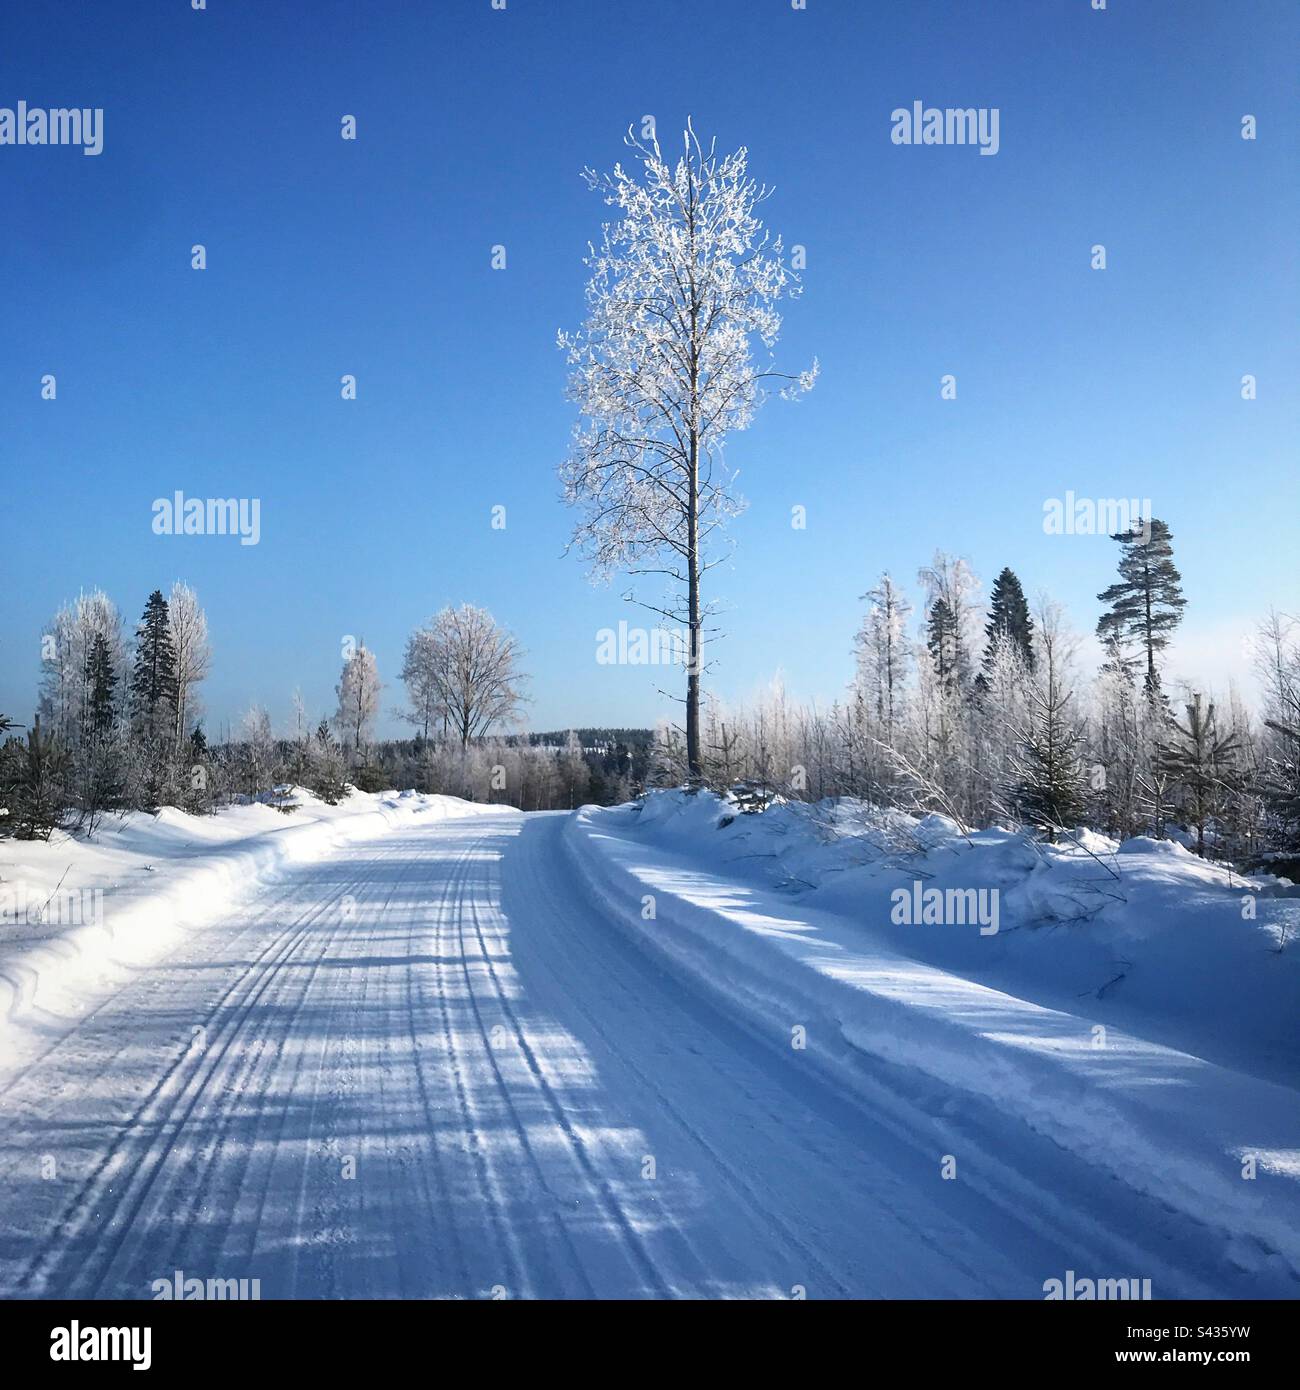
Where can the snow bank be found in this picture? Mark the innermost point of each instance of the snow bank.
(78, 916)
(789, 924)
(1155, 939)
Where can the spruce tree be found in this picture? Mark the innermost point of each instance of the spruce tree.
(195, 776)
(1201, 762)
(40, 792)
(1147, 603)
(328, 774)
(1009, 620)
(153, 682)
(1047, 790)
(101, 680)
(99, 759)
(153, 692)
(1046, 775)
(943, 640)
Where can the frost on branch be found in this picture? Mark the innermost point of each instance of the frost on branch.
(683, 292)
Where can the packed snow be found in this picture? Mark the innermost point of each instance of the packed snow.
(80, 914)
(411, 1046)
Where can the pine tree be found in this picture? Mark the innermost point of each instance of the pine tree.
(1009, 620)
(1147, 603)
(1201, 763)
(153, 682)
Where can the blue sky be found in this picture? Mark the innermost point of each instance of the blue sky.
(373, 257)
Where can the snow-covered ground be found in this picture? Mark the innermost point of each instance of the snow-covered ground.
(412, 1047)
(1130, 1003)
(78, 915)
(1143, 934)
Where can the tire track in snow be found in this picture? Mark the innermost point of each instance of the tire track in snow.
(512, 1259)
(231, 1180)
(726, 1170)
(598, 1185)
(440, 1168)
(176, 1089)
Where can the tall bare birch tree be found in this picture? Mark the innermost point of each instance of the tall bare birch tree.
(662, 371)
(189, 630)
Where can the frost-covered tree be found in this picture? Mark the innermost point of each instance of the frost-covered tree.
(1004, 704)
(65, 664)
(358, 693)
(941, 734)
(573, 772)
(327, 772)
(1278, 661)
(1047, 783)
(477, 670)
(682, 285)
(1201, 760)
(1120, 747)
(301, 758)
(188, 626)
(884, 656)
(423, 674)
(39, 795)
(198, 776)
(950, 584)
(1243, 815)
(258, 750)
(1147, 603)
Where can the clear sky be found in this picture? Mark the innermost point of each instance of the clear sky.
(373, 257)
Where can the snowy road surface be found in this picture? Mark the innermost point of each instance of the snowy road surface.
(427, 1066)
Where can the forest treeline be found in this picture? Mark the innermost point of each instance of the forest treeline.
(985, 714)
(980, 710)
(119, 726)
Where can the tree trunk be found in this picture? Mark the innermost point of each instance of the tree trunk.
(693, 764)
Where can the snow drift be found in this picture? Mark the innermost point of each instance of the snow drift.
(1133, 1006)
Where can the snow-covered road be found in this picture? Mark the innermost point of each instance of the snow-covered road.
(428, 1066)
